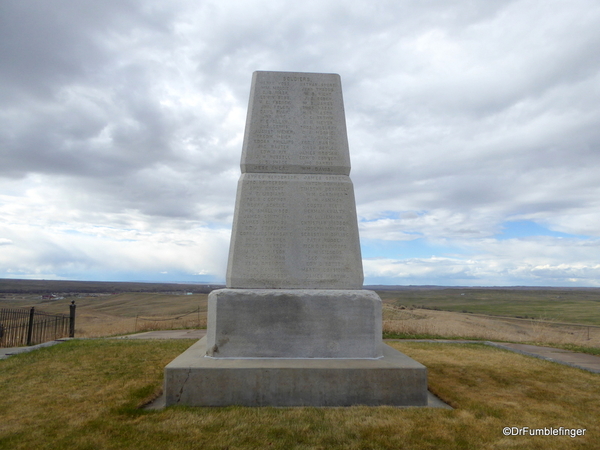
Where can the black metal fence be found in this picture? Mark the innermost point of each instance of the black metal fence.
(26, 326)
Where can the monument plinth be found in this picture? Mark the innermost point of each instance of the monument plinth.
(294, 327)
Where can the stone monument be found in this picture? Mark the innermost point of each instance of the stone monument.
(294, 327)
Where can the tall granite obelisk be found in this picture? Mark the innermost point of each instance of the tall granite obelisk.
(293, 326)
(295, 218)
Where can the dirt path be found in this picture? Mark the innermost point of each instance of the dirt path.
(167, 334)
(583, 361)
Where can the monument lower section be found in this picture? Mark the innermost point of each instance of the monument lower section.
(294, 323)
(194, 379)
(295, 231)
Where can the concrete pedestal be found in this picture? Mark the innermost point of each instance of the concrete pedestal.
(194, 379)
(294, 323)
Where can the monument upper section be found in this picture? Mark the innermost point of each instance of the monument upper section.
(295, 224)
(296, 124)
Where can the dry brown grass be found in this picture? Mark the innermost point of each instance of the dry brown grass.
(420, 322)
(101, 326)
(491, 390)
(111, 315)
(84, 394)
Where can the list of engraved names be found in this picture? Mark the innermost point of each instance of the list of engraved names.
(297, 126)
(294, 226)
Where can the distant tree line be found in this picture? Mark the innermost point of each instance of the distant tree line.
(89, 287)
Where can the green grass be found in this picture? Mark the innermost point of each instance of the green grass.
(569, 305)
(391, 335)
(85, 395)
(581, 349)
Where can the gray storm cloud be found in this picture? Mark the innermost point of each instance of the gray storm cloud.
(121, 125)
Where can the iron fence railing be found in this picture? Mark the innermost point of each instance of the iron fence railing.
(26, 326)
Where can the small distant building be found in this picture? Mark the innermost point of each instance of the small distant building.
(52, 297)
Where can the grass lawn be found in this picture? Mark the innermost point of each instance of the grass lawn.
(85, 395)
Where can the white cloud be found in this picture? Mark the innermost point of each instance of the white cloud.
(123, 122)
(530, 261)
(59, 250)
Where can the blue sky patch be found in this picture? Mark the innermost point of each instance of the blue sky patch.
(527, 228)
(416, 248)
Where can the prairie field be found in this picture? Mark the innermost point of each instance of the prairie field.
(431, 324)
(100, 315)
(570, 305)
(569, 317)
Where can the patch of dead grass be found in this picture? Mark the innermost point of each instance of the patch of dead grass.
(111, 315)
(95, 325)
(84, 394)
(420, 322)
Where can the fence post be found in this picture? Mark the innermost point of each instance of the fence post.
(30, 326)
(72, 307)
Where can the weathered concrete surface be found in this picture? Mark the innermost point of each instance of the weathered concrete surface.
(294, 323)
(295, 224)
(295, 273)
(296, 124)
(194, 380)
(295, 231)
(6, 352)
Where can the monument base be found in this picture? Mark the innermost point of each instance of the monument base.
(194, 379)
(294, 323)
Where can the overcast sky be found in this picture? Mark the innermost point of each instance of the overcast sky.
(474, 132)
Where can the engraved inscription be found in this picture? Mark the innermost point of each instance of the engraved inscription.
(298, 230)
(296, 124)
(295, 220)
